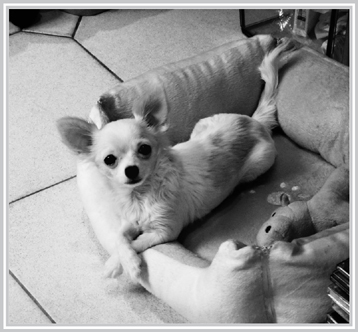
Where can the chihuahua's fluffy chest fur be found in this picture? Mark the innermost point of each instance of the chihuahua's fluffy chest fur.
(151, 204)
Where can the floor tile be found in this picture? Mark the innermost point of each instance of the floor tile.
(21, 309)
(48, 77)
(131, 42)
(55, 22)
(52, 250)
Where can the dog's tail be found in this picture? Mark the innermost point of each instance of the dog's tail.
(266, 110)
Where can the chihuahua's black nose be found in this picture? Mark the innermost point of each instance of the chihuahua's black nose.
(131, 172)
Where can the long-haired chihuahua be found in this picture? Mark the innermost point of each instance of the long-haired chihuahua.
(157, 189)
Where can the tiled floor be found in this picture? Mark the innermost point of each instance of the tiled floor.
(57, 67)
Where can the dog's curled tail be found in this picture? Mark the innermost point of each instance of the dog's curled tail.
(266, 110)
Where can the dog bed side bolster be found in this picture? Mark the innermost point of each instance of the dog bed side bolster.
(223, 80)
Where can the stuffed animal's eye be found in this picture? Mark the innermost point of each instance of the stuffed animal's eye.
(273, 214)
(110, 160)
(145, 150)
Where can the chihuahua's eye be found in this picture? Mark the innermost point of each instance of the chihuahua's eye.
(110, 160)
(145, 150)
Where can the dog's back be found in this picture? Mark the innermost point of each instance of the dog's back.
(229, 149)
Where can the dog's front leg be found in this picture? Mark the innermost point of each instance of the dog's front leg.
(124, 257)
(114, 234)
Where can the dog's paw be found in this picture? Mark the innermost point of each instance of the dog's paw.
(113, 267)
(230, 246)
(132, 267)
(231, 257)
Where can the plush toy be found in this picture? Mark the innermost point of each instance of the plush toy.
(327, 208)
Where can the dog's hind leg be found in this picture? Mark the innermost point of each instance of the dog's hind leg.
(147, 240)
(153, 237)
(260, 160)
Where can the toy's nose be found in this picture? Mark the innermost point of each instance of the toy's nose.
(131, 172)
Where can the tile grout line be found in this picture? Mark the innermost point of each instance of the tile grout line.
(32, 297)
(78, 43)
(70, 178)
(14, 33)
(76, 27)
(38, 191)
(48, 34)
(99, 61)
(92, 55)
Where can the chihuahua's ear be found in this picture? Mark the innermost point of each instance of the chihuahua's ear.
(111, 106)
(153, 112)
(97, 116)
(148, 102)
(76, 134)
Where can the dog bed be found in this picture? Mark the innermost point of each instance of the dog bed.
(203, 276)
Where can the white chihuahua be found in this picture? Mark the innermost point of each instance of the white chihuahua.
(153, 189)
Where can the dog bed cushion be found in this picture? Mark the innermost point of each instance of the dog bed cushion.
(285, 283)
(314, 137)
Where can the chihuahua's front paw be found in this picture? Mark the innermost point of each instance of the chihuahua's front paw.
(129, 264)
(132, 267)
(113, 267)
